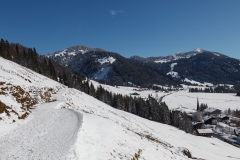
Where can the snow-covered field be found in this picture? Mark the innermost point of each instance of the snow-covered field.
(77, 126)
(129, 90)
(187, 99)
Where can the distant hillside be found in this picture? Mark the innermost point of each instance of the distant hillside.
(198, 65)
(109, 67)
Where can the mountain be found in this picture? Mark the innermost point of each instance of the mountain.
(172, 57)
(198, 65)
(108, 66)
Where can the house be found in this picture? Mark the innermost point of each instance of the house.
(204, 132)
(210, 120)
(237, 132)
(223, 118)
(212, 111)
(197, 125)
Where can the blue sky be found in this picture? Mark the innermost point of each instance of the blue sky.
(136, 27)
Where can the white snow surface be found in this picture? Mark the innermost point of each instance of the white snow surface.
(123, 90)
(90, 129)
(108, 133)
(198, 83)
(15, 74)
(172, 73)
(221, 101)
(103, 73)
(162, 61)
(106, 60)
(61, 53)
(48, 134)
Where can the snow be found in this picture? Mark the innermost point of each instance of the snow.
(15, 74)
(172, 73)
(78, 126)
(49, 134)
(162, 61)
(210, 109)
(198, 83)
(131, 135)
(83, 51)
(72, 53)
(107, 60)
(198, 50)
(128, 90)
(102, 74)
(61, 53)
(221, 101)
(205, 131)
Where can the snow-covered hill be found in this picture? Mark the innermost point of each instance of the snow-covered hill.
(20, 89)
(77, 126)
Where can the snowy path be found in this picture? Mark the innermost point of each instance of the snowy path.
(49, 134)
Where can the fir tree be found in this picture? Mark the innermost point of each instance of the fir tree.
(197, 104)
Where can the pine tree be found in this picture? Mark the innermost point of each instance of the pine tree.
(64, 77)
(2, 48)
(197, 104)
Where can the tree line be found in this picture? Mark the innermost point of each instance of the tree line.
(218, 89)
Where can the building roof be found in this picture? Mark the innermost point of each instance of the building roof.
(201, 131)
(208, 117)
(135, 94)
(223, 116)
(210, 110)
(196, 123)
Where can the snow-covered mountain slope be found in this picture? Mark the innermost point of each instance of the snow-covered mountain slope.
(107, 66)
(66, 56)
(170, 58)
(20, 89)
(93, 130)
(108, 133)
(198, 65)
(179, 55)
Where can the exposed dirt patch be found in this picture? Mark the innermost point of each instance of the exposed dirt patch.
(4, 108)
(26, 99)
(153, 139)
(137, 155)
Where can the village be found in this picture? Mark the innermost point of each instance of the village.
(211, 122)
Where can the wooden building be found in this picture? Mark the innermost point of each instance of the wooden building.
(210, 120)
(212, 111)
(204, 132)
(237, 132)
